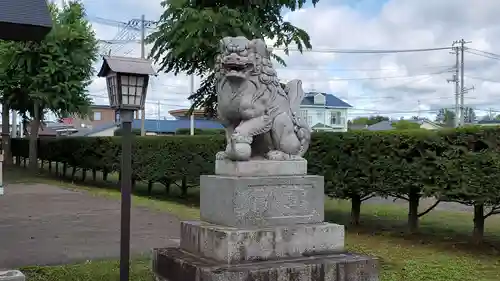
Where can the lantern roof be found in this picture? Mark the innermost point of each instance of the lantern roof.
(126, 65)
(24, 20)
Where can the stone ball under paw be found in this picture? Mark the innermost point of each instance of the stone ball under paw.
(242, 151)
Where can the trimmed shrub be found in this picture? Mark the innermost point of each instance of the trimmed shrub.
(451, 165)
(187, 131)
(118, 132)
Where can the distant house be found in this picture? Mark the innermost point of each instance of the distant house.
(183, 114)
(106, 130)
(324, 112)
(169, 127)
(152, 127)
(387, 125)
(50, 129)
(99, 116)
(351, 126)
(488, 123)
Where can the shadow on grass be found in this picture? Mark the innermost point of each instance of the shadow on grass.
(18, 174)
(436, 232)
(446, 230)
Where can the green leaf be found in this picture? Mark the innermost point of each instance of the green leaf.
(188, 35)
(54, 72)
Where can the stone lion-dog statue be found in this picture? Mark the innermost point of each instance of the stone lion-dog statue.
(260, 117)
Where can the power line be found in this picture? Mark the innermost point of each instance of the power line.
(135, 24)
(386, 77)
(354, 51)
(483, 55)
(114, 41)
(483, 79)
(378, 111)
(360, 69)
(394, 97)
(485, 52)
(428, 76)
(111, 22)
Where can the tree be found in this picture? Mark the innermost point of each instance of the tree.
(472, 179)
(369, 120)
(188, 35)
(446, 118)
(51, 75)
(411, 172)
(405, 125)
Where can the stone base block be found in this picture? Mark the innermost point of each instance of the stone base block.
(173, 264)
(261, 201)
(261, 168)
(12, 275)
(233, 245)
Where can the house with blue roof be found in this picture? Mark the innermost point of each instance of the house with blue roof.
(151, 126)
(168, 127)
(324, 112)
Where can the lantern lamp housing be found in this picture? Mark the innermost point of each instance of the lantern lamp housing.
(127, 81)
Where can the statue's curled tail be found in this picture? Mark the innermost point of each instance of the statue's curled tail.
(295, 95)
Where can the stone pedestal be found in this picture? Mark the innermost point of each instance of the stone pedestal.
(262, 201)
(266, 226)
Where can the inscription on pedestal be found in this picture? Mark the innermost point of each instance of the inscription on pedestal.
(262, 201)
(275, 202)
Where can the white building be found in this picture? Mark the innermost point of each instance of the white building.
(324, 112)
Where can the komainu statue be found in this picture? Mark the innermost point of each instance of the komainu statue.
(260, 117)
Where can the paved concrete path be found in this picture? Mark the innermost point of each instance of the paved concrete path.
(47, 225)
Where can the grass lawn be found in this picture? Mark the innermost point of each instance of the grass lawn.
(442, 252)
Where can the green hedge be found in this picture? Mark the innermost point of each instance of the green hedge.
(452, 165)
(187, 131)
(118, 132)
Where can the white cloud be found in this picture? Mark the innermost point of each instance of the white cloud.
(415, 82)
(410, 24)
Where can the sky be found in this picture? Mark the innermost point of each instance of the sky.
(401, 84)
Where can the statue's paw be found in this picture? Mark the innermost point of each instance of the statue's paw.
(278, 155)
(282, 156)
(295, 157)
(221, 155)
(238, 138)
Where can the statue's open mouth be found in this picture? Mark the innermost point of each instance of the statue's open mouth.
(237, 70)
(235, 67)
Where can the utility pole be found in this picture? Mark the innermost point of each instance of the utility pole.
(456, 80)
(462, 87)
(191, 91)
(461, 46)
(418, 109)
(158, 120)
(143, 55)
